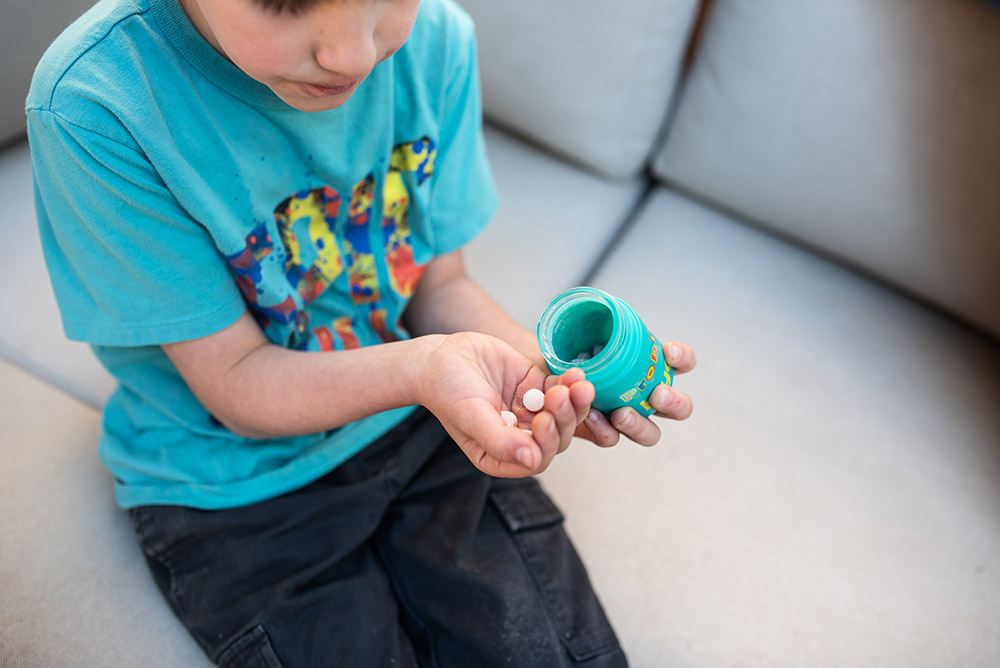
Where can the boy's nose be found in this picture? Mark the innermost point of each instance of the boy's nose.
(347, 48)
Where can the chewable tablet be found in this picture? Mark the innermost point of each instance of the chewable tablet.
(534, 400)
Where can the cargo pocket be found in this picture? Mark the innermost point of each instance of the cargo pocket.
(251, 650)
(537, 527)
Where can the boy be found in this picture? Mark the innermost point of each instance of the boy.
(254, 209)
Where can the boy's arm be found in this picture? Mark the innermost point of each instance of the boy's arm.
(447, 300)
(260, 390)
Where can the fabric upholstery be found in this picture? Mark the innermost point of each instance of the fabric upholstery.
(867, 130)
(593, 83)
(26, 29)
(30, 331)
(834, 499)
(76, 590)
(554, 223)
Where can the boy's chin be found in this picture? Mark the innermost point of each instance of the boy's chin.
(295, 97)
(313, 104)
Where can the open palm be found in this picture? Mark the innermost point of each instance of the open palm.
(469, 378)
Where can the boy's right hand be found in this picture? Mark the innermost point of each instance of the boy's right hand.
(466, 379)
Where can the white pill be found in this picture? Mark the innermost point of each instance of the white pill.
(509, 417)
(534, 400)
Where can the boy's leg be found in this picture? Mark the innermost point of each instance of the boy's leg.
(293, 581)
(486, 572)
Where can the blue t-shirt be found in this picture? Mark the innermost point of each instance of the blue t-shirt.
(174, 192)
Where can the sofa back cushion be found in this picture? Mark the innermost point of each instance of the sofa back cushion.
(26, 29)
(590, 80)
(867, 129)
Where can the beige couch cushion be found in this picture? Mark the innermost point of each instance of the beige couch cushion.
(834, 501)
(590, 80)
(31, 330)
(553, 225)
(75, 587)
(866, 129)
(26, 29)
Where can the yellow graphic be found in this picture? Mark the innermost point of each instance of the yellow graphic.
(317, 210)
(362, 273)
(414, 160)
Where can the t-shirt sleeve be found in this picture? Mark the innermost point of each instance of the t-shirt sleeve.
(129, 267)
(465, 196)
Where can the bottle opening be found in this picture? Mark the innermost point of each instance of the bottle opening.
(582, 331)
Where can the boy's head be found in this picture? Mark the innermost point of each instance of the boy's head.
(311, 53)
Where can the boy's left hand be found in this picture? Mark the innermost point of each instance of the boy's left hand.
(668, 402)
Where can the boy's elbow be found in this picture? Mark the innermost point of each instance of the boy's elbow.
(238, 424)
(243, 430)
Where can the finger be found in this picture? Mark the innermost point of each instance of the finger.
(598, 429)
(569, 405)
(571, 376)
(513, 454)
(670, 402)
(680, 356)
(545, 432)
(636, 427)
(493, 446)
(554, 425)
(581, 395)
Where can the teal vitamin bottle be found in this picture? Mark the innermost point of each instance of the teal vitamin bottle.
(601, 334)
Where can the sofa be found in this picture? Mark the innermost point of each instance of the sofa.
(807, 193)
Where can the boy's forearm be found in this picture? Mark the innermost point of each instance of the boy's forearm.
(260, 390)
(453, 302)
(320, 391)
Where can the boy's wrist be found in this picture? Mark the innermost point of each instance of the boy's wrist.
(416, 368)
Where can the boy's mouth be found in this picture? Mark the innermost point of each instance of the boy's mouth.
(319, 90)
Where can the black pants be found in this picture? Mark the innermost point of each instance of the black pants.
(405, 555)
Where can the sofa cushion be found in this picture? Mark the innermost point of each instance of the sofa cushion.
(553, 225)
(589, 80)
(865, 129)
(31, 331)
(26, 30)
(835, 498)
(76, 589)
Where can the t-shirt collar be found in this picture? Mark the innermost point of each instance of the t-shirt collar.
(178, 29)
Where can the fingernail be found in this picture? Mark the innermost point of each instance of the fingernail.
(524, 457)
(593, 416)
(662, 398)
(675, 353)
(628, 419)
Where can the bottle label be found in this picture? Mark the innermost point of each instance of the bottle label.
(650, 373)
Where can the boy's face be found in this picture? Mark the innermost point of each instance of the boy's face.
(312, 59)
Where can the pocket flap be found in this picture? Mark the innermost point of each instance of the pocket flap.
(523, 505)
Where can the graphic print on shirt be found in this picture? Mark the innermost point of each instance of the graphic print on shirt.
(321, 247)
(362, 272)
(414, 161)
(310, 215)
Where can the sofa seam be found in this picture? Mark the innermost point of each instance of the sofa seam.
(621, 231)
